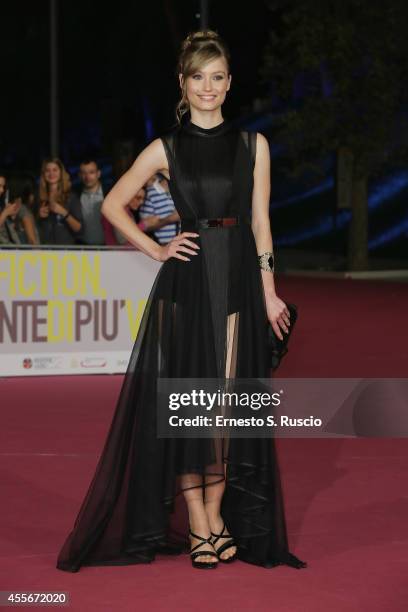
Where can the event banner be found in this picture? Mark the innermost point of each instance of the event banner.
(71, 311)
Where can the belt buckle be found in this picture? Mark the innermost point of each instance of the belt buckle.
(217, 222)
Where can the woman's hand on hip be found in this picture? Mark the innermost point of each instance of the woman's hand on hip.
(179, 245)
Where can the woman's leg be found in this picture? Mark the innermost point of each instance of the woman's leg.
(192, 485)
(214, 492)
(204, 511)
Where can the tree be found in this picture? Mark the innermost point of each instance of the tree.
(354, 57)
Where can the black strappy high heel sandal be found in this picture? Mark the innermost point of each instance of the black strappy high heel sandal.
(224, 546)
(201, 553)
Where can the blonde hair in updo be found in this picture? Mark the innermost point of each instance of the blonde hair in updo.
(198, 49)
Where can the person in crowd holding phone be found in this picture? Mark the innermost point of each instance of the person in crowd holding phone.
(17, 224)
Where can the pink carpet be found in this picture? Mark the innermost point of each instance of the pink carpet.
(346, 500)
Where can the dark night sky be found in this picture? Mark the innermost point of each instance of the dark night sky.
(117, 64)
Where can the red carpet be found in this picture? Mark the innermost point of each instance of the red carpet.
(346, 500)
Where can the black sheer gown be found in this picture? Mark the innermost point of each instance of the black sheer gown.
(201, 316)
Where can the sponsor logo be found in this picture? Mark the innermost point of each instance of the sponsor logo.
(93, 362)
(122, 363)
(27, 363)
(47, 363)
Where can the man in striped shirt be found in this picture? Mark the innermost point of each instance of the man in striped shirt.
(159, 202)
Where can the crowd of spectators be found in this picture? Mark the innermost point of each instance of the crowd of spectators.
(51, 211)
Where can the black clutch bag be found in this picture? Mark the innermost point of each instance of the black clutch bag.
(278, 348)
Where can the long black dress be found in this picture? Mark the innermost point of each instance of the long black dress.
(132, 509)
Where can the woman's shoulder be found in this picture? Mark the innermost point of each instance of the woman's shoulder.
(169, 133)
(169, 138)
(23, 211)
(250, 139)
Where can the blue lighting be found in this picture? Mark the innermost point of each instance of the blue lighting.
(382, 192)
(324, 186)
(388, 189)
(390, 234)
(148, 121)
(320, 227)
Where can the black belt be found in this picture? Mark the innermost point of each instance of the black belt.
(196, 223)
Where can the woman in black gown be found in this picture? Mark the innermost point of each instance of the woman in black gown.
(205, 317)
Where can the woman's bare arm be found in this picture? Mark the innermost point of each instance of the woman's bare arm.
(28, 224)
(151, 160)
(73, 223)
(260, 207)
(261, 227)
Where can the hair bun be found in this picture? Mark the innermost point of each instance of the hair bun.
(199, 36)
